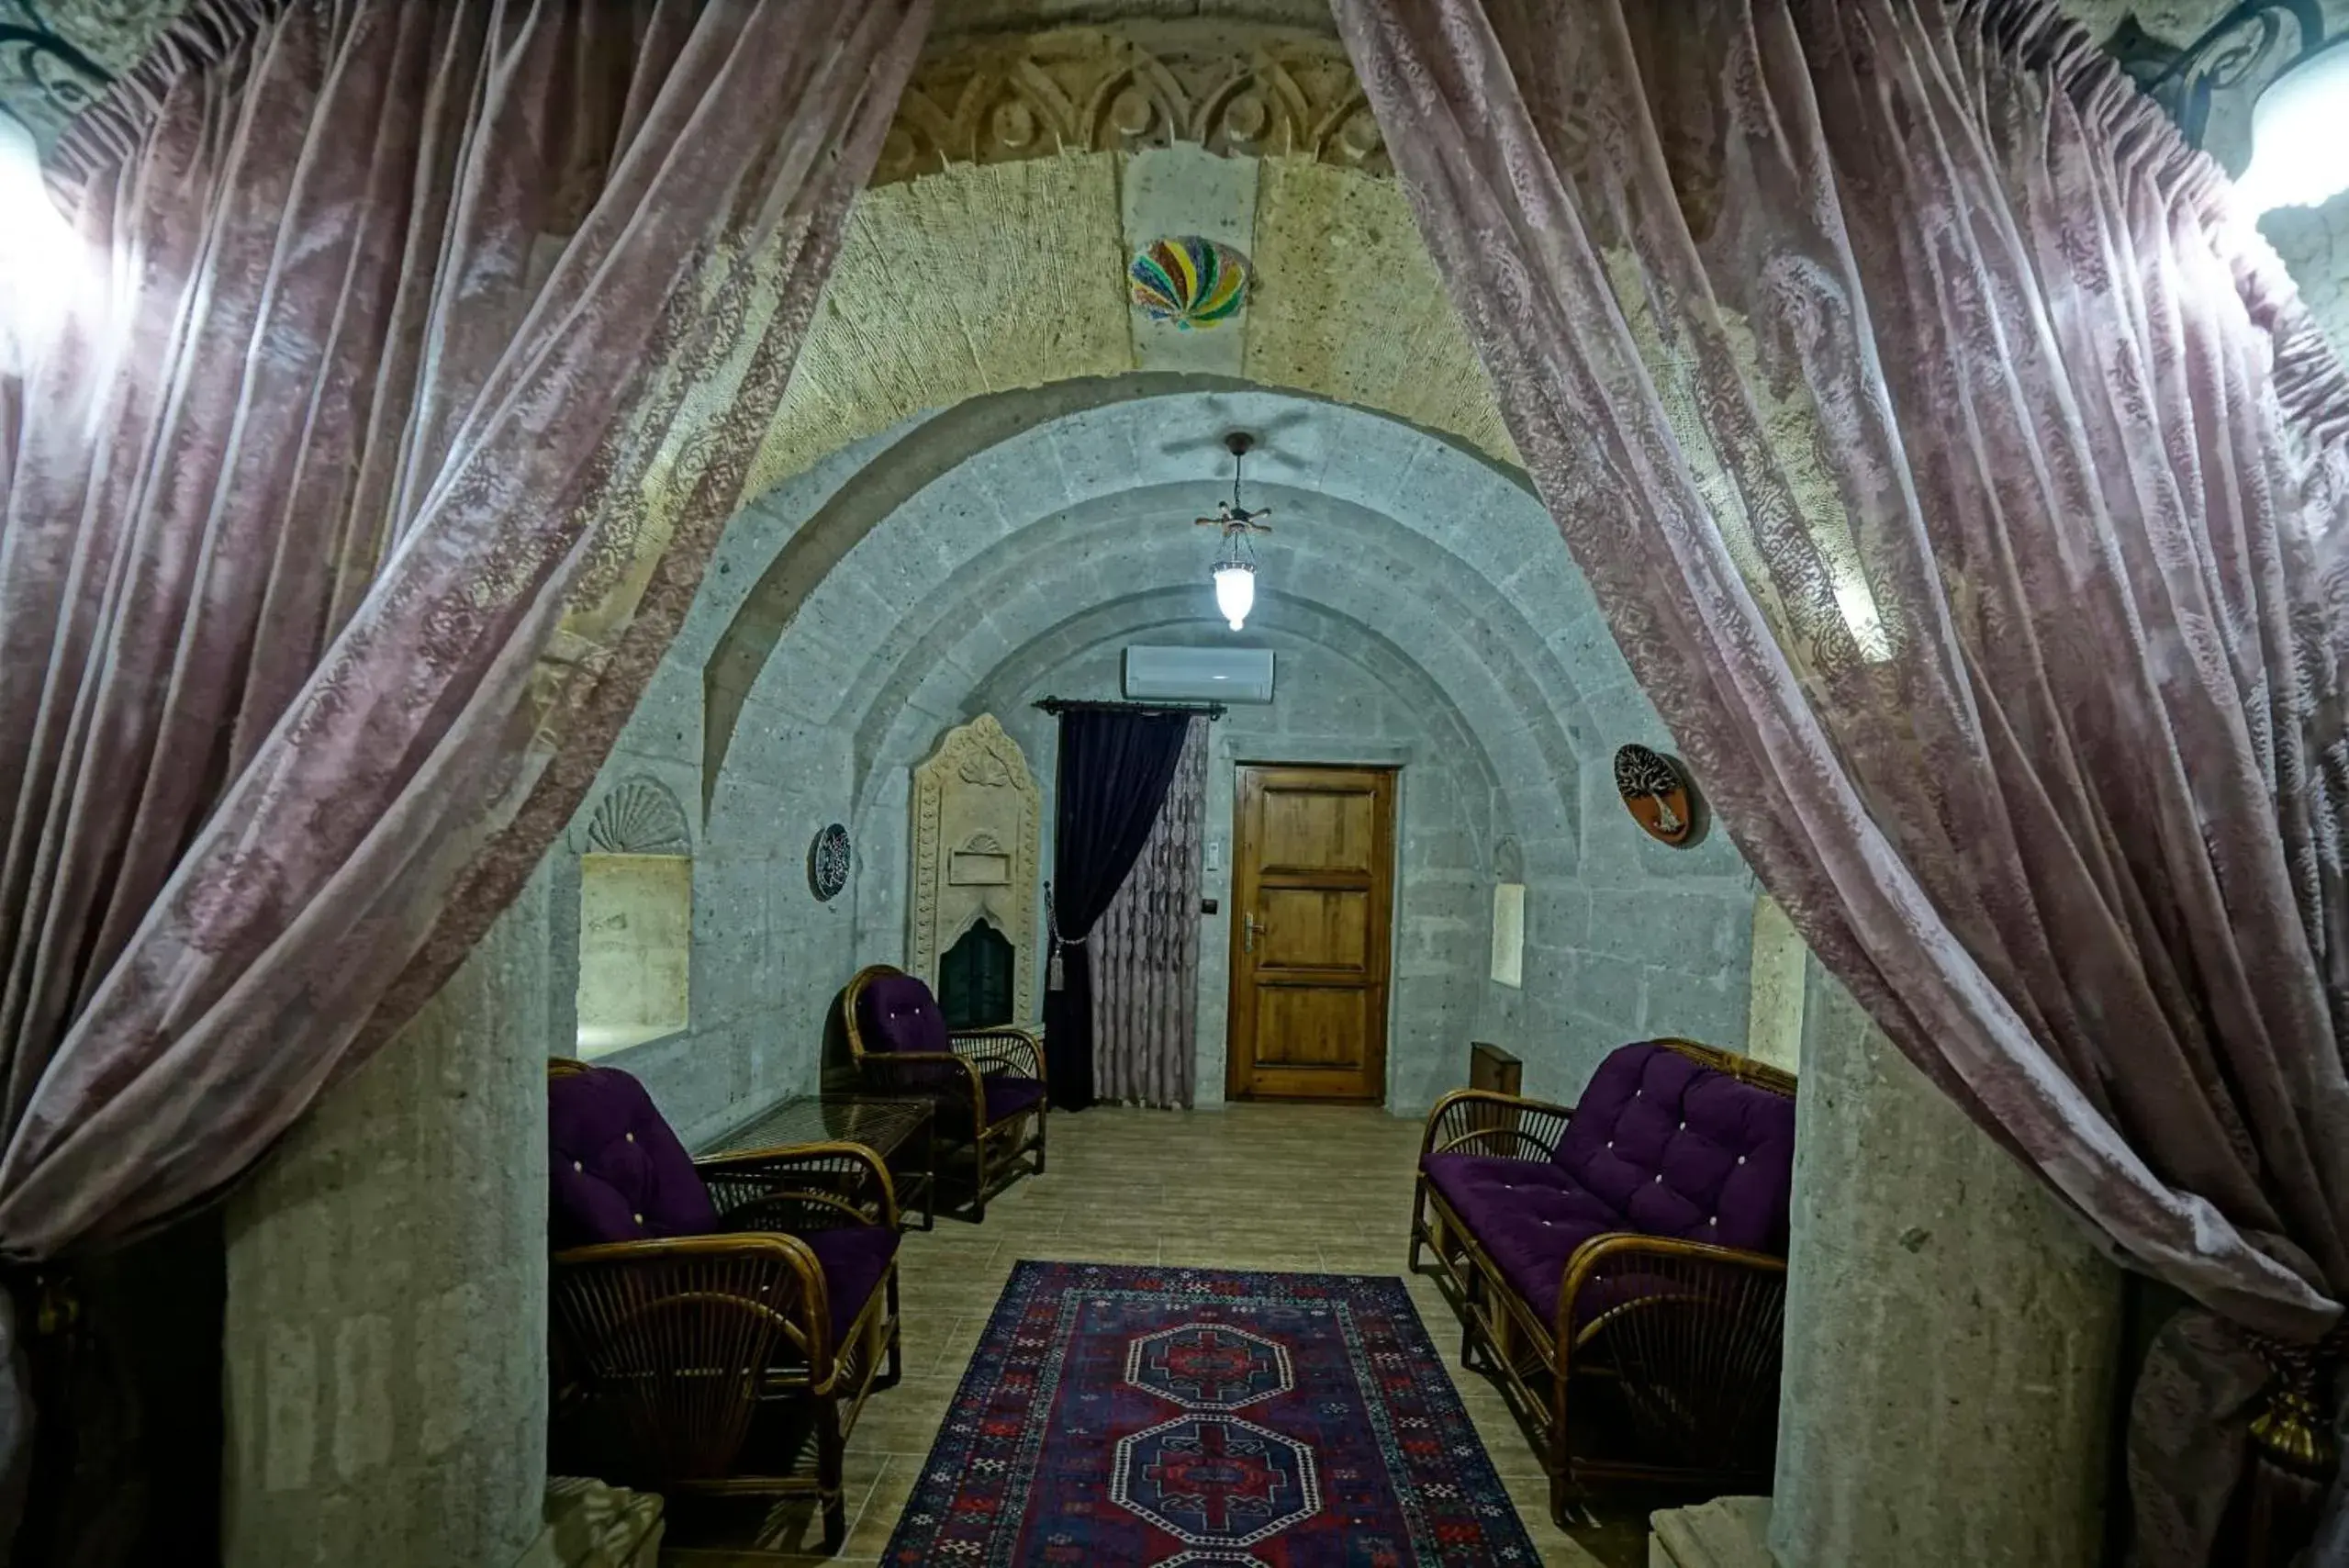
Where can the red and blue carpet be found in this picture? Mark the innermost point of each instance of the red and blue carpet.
(1164, 1417)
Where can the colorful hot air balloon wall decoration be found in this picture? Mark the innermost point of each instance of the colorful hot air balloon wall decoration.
(1191, 281)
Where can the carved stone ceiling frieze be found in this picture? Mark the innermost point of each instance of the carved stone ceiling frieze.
(992, 99)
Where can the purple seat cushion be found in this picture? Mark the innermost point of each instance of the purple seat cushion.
(1683, 1149)
(1008, 1096)
(1527, 1216)
(615, 1171)
(898, 1014)
(854, 1258)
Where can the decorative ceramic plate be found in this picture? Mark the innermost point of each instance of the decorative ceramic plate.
(1189, 280)
(828, 862)
(1657, 794)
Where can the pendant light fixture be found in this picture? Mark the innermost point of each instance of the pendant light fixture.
(1235, 567)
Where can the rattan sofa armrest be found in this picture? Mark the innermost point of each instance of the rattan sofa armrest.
(881, 1063)
(810, 1322)
(654, 1248)
(1504, 1127)
(1731, 1279)
(830, 1182)
(1015, 1048)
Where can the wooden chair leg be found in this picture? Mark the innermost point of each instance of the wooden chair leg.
(829, 1453)
(979, 1176)
(1041, 1122)
(895, 1367)
(1555, 1460)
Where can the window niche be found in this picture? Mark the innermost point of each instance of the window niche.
(635, 920)
(976, 823)
(976, 980)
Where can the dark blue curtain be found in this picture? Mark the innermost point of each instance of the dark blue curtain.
(1115, 768)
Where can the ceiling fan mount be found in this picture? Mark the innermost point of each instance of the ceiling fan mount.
(1233, 519)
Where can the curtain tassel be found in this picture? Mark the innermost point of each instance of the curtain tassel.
(1055, 977)
(2290, 1462)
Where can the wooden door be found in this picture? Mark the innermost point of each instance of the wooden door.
(1313, 898)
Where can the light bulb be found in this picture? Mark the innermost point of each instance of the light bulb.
(2299, 136)
(1234, 591)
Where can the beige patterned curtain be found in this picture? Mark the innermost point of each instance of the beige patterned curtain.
(1962, 481)
(417, 354)
(1146, 952)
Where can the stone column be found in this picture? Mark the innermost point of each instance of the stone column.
(386, 1379)
(1952, 1335)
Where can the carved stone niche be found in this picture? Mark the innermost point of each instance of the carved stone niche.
(978, 816)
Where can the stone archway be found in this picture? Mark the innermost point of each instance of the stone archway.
(1005, 267)
(950, 566)
(954, 288)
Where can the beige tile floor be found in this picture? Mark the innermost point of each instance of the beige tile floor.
(1298, 1188)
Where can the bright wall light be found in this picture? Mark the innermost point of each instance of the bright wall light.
(2299, 136)
(1234, 591)
(42, 264)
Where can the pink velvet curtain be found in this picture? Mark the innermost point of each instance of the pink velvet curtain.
(1964, 483)
(1146, 952)
(420, 352)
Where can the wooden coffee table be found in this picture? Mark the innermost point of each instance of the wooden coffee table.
(898, 1130)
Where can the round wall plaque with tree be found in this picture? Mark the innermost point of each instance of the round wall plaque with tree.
(828, 859)
(1658, 794)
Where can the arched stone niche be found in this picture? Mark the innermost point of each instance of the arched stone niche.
(977, 821)
(635, 919)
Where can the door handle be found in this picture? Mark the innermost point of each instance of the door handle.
(1249, 926)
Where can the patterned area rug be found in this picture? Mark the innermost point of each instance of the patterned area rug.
(1164, 1417)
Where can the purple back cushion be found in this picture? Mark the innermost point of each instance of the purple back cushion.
(1683, 1149)
(615, 1171)
(897, 1013)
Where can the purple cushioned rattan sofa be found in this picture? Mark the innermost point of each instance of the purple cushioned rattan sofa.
(1618, 1267)
(987, 1085)
(707, 1314)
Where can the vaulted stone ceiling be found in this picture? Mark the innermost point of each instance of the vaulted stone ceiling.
(56, 54)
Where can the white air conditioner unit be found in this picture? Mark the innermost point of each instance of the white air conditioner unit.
(1207, 675)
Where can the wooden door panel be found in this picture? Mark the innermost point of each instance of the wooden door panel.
(1313, 1027)
(1313, 930)
(1316, 829)
(1312, 903)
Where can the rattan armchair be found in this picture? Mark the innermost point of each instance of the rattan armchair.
(989, 1084)
(710, 1364)
(1659, 1360)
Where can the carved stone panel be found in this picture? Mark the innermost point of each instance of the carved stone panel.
(1242, 92)
(977, 818)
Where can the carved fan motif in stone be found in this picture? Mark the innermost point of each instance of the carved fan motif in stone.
(986, 768)
(1656, 793)
(638, 817)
